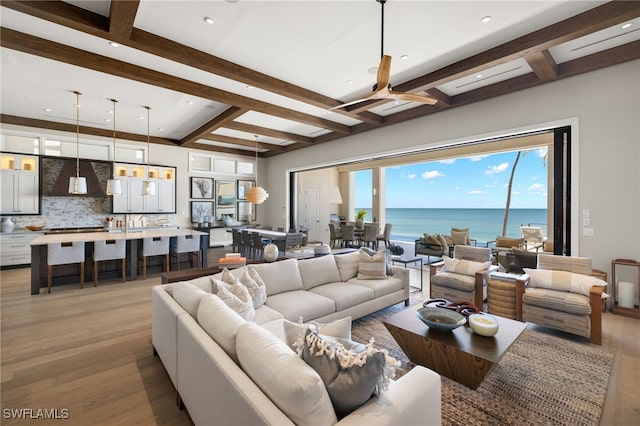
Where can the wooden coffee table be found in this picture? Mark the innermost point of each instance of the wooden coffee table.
(460, 355)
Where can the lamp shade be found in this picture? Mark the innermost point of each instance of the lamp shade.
(77, 185)
(256, 195)
(114, 187)
(148, 188)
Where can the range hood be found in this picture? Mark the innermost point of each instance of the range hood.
(61, 186)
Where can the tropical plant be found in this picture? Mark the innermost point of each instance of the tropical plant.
(361, 214)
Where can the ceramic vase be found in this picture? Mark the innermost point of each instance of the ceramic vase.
(270, 253)
(7, 224)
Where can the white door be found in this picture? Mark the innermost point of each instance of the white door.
(311, 218)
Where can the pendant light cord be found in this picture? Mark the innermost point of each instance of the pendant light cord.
(114, 128)
(148, 139)
(77, 135)
(256, 136)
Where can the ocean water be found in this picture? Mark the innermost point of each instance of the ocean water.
(484, 224)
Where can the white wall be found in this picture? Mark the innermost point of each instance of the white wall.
(603, 105)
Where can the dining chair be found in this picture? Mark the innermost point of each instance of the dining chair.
(335, 234)
(189, 244)
(386, 234)
(370, 235)
(247, 246)
(257, 245)
(348, 235)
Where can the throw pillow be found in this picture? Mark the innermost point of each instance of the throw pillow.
(432, 240)
(348, 265)
(294, 331)
(372, 267)
(285, 378)
(236, 296)
(188, 296)
(352, 372)
(443, 243)
(460, 236)
(228, 277)
(563, 281)
(509, 242)
(463, 267)
(256, 289)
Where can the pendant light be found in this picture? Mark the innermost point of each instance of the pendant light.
(114, 186)
(256, 194)
(77, 185)
(148, 187)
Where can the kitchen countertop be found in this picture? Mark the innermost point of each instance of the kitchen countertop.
(103, 236)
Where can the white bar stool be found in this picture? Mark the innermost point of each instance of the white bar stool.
(154, 246)
(65, 253)
(187, 244)
(109, 250)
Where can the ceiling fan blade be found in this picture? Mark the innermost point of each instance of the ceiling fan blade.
(351, 103)
(384, 69)
(411, 97)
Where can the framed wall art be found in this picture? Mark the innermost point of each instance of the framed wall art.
(201, 211)
(243, 186)
(246, 211)
(201, 188)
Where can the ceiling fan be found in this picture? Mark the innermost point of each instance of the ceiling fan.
(382, 89)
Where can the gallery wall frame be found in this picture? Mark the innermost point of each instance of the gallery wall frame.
(201, 211)
(243, 186)
(246, 211)
(201, 187)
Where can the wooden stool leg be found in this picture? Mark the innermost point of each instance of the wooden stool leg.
(49, 273)
(144, 267)
(81, 274)
(168, 262)
(95, 273)
(124, 276)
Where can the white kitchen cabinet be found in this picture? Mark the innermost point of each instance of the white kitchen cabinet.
(19, 176)
(132, 201)
(15, 248)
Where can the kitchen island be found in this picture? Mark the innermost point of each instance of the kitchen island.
(134, 240)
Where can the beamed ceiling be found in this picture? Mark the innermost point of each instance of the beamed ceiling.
(275, 69)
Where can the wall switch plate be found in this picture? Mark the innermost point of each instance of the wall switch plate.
(587, 232)
(586, 213)
(586, 221)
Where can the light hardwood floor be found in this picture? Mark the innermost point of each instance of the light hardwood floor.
(89, 352)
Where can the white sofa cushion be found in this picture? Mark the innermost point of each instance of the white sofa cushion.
(318, 270)
(380, 287)
(301, 303)
(188, 296)
(285, 378)
(265, 314)
(220, 322)
(345, 295)
(348, 265)
(280, 276)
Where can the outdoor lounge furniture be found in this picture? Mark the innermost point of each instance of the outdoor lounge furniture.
(501, 245)
(570, 301)
(436, 245)
(533, 237)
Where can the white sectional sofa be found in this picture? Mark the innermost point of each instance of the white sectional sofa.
(230, 371)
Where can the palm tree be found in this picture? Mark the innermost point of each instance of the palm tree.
(509, 187)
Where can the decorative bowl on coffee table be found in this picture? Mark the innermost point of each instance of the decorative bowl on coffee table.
(440, 318)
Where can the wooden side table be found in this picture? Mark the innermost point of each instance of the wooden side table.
(615, 308)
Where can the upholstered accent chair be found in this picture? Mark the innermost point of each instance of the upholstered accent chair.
(386, 234)
(562, 294)
(501, 246)
(335, 234)
(463, 278)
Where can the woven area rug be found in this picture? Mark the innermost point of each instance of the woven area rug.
(541, 380)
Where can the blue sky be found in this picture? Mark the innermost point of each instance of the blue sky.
(467, 182)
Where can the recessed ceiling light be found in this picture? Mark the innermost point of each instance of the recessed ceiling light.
(249, 87)
(113, 44)
(108, 120)
(478, 75)
(349, 81)
(485, 19)
(140, 117)
(47, 109)
(208, 20)
(160, 129)
(373, 70)
(627, 25)
(404, 57)
(189, 102)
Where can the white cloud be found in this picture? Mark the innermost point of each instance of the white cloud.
(496, 169)
(476, 192)
(477, 157)
(536, 187)
(410, 176)
(541, 152)
(432, 174)
(447, 161)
